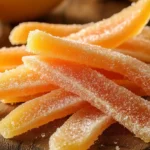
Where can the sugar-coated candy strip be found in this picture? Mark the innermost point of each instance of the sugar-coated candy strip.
(122, 81)
(128, 109)
(39, 111)
(131, 87)
(115, 30)
(110, 74)
(125, 83)
(13, 100)
(20, 33)
(22, 81)
(136, 47)
(80, 130)
(12, 57)
(145, 33)
(94, 56)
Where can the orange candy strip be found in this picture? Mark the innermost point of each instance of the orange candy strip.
(14, 84)
(117, 29)
(125, 83)
(13, 100)
(80, 130)
(145, 34)
(94, 56)
(12, 57)
(20, 33)
(128, 109)
(21, 82)
(131, 87)
(110, 74)
(121, 80)
(137, 47)
(39, 111)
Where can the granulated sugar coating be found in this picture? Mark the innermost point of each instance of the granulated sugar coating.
(90, 55)
(80, 130)
(22, 81)
(39, 111)
(125, 107)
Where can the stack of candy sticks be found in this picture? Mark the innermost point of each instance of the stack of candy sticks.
(97, 73)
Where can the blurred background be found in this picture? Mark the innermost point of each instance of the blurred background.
(13, 12)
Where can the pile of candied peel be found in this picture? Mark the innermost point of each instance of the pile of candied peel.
(97, 73)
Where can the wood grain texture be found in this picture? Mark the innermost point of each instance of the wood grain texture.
(37, 139)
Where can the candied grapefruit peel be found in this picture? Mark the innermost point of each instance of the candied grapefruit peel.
(95, 72)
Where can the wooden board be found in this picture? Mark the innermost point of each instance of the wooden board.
(114, 138)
